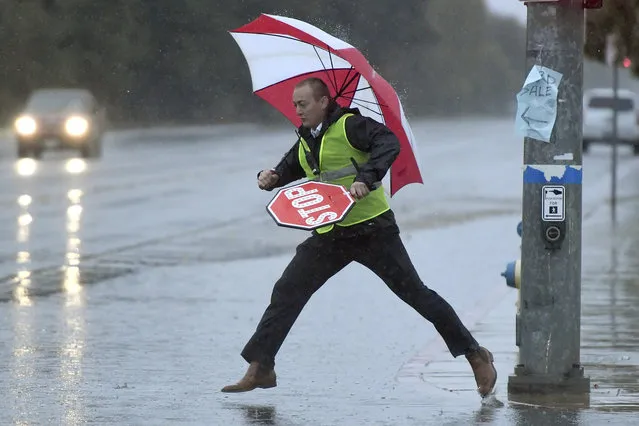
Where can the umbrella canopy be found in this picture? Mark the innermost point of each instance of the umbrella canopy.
(282, 51)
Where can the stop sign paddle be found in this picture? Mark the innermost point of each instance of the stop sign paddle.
(310, 205)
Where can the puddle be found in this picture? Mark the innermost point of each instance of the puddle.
(48, 281)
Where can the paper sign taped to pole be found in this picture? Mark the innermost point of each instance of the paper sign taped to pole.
(537, 103)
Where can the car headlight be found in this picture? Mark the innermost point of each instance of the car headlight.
(76, 126)
(25, 126)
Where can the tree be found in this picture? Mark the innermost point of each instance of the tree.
(471, 69)
(69, 43)
(175, 61)
(618, 17)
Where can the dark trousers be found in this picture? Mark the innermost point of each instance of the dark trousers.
(320, 257)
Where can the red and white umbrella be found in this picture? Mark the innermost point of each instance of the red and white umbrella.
(282, 51)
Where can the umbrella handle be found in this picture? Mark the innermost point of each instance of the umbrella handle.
(358, 170)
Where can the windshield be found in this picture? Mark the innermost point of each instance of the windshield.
(623, 104)
(54, 102)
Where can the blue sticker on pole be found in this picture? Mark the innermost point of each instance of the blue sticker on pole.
(552, 173)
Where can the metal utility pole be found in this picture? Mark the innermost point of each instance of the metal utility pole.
(615, 140)
(550, 309)
(612, 60)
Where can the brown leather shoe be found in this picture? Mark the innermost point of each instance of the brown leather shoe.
(481, 362)
(256, 376)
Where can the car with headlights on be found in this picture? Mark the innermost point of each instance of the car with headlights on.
(60, 119)
(598, 117)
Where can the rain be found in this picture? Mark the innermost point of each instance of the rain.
(138, 254)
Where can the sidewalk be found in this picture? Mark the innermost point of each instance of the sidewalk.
(609, 340)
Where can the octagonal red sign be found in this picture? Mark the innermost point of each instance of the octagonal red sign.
(310, 205)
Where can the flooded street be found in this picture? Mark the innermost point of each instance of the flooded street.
(130, 284)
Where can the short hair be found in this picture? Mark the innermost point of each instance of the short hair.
(319, 87)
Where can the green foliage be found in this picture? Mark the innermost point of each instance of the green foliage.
(619, 17)
(168, 60)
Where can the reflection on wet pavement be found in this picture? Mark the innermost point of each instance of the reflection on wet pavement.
(26, 167)
(75, 166)
(71, 280)
(31, 356)
(29, 282)
(257, 414)
(610, 314)
(23, 256)
(71, 351)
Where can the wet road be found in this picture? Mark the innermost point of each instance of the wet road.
(130, 284)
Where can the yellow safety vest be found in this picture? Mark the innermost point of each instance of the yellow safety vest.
(336, 167)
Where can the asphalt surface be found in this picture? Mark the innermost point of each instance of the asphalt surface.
(129, 285)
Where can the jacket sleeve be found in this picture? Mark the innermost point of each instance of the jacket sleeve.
(370, 136)
(289, 168)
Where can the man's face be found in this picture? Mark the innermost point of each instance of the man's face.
(310, 110)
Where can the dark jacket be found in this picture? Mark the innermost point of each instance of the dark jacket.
(364, 134)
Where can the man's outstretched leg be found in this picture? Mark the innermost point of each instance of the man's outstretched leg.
(315, 261)
(386, 256)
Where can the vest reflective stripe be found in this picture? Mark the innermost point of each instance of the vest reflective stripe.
(338, 174)
(336, 167)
